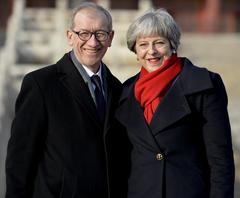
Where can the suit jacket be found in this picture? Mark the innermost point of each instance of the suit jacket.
(58, 147)
(186, 151)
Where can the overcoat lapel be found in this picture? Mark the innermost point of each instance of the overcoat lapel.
(173, 107)
(168, 112)
(109, 97)
(132, 115)
(73, 81)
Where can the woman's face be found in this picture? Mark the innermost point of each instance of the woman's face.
(152, 51)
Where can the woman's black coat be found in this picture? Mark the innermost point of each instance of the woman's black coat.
(186, 152)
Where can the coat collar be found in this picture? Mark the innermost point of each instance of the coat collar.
(194, 79)
(73, 81)
(199, 78)
(173, 107)
(112, 95)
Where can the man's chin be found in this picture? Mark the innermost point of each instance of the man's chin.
(92, 64)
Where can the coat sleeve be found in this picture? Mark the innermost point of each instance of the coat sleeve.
(26, 140)
(217, 137)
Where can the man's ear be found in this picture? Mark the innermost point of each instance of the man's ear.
(111, 35)
(69, 34)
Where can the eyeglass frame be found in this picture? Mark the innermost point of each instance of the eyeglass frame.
(92, 33)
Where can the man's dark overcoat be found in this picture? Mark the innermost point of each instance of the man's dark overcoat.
(58, 147)
(186, 151)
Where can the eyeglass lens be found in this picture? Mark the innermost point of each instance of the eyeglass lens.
(99, 35)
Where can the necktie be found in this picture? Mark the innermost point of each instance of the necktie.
(100, 101)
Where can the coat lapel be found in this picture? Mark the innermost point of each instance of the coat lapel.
(73, 81)
(113, 89)
(175, 105)
(131, 115)
(109, 96)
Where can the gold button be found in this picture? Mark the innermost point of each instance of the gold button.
(159, 156)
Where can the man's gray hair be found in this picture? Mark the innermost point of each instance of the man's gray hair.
(154, 23)
(90, 5)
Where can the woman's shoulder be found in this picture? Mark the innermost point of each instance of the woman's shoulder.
(195, 70)
(196, 78)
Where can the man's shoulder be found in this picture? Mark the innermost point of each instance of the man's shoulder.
(130, 81)
(48, 71)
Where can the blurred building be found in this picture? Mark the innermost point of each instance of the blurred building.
(39, 26)
(193, 15)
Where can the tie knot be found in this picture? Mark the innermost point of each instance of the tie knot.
(97, 81)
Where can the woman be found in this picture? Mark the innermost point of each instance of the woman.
(176, 118)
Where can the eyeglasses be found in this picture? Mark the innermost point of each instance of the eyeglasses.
(100, 35)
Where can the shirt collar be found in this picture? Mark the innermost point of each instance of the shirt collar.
(84, 70)
(90, 73)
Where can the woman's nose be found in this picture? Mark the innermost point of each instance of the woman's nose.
(151, 49)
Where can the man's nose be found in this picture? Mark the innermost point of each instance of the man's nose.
(93, 41)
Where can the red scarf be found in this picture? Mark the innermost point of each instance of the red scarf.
(151, 87)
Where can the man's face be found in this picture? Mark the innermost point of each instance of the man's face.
(90, 52)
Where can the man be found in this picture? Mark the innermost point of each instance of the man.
(59, 138)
